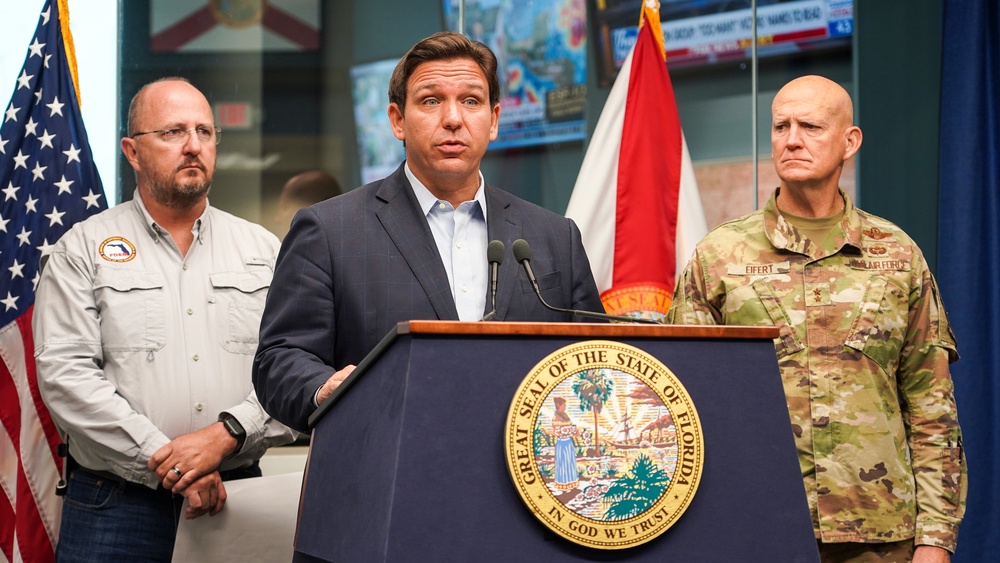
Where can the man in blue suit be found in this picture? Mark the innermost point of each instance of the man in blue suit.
(412, 245)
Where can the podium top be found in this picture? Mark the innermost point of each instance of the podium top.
(574, 330)
(590, 330)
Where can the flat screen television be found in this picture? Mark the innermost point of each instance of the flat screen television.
(379, 151)
(700, 32)
(541, 49)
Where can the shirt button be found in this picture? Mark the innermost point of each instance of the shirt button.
(465, 288)
(184, 267)
(195, 357)
(199, 406)
(441, 205)
(458, 244)
(190, 311)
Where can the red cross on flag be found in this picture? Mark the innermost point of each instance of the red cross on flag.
(199, 26)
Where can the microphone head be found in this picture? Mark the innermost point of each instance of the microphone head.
(521, 250)
(494, 252)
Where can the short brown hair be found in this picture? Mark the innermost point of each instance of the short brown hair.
(444, 45)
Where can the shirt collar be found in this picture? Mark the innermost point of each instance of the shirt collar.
(156, 230)
(783, 234)
(427, 200)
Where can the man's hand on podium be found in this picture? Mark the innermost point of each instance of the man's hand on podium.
(335, 380)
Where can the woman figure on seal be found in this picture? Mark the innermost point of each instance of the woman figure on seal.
(566, 475)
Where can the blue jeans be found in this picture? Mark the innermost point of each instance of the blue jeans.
(104, 520)
(114, 520)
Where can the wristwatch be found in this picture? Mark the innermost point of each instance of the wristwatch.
(235, 430)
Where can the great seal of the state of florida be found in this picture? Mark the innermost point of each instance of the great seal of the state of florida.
(604, 444)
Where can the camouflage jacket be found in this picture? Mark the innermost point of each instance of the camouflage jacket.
(863, 350)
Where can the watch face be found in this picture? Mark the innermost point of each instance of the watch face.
(235, 430)
(233, 426)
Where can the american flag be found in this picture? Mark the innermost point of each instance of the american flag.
(48, 182)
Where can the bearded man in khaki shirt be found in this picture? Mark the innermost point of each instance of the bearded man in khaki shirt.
(145, 324)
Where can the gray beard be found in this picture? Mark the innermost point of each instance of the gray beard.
(174, 196)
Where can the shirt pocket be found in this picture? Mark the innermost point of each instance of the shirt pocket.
(871, 452)
(131, 305)
(758, 304)
(880, 324)
(240, 296)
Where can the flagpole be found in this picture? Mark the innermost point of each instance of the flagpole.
(753, 98)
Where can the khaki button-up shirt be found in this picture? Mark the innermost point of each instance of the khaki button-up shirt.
(137, 345)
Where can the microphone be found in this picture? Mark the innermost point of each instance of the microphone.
(494, 255)
(522, 253)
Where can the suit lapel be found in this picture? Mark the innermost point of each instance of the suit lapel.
(503, 224)
(406, 225)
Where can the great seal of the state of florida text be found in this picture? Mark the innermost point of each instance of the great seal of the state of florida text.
(604, 444)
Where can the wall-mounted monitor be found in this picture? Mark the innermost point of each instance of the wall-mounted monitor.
(700, 32)
(379, 151)
(541, 49)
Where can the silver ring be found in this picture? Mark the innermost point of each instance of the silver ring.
(177, 471)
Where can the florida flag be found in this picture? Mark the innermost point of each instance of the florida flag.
(196, 26)
(636, 200)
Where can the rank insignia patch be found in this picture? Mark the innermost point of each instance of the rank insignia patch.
(876, 233)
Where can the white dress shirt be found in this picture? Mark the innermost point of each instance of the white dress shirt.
(461, 237)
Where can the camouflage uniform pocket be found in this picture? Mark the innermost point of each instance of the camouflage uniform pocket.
(953, 476)
(880, 323)
(755, 305)
(871, 463)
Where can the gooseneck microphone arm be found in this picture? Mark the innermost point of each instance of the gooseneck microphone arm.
(494, 255)
(522, 253)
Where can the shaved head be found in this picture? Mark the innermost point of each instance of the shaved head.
(824, 93)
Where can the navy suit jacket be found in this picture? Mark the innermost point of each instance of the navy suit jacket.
(353, 266)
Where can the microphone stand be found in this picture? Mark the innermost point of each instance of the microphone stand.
(522, 253)
(494, 254)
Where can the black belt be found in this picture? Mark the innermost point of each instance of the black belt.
(252, 470)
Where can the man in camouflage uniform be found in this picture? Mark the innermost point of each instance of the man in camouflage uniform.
(864, 345)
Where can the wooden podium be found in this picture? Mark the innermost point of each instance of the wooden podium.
(407, 459)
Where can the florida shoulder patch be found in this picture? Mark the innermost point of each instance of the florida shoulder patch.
(117, 249)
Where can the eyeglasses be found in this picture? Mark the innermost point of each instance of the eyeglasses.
(180, 136)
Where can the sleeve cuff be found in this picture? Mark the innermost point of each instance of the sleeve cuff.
(938, 534)
(139, 471)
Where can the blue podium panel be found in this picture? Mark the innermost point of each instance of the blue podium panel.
(409, 464)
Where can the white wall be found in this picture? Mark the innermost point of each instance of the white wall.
(94, 24)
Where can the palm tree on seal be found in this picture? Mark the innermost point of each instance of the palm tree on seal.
(593, 388)
(634, 493)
